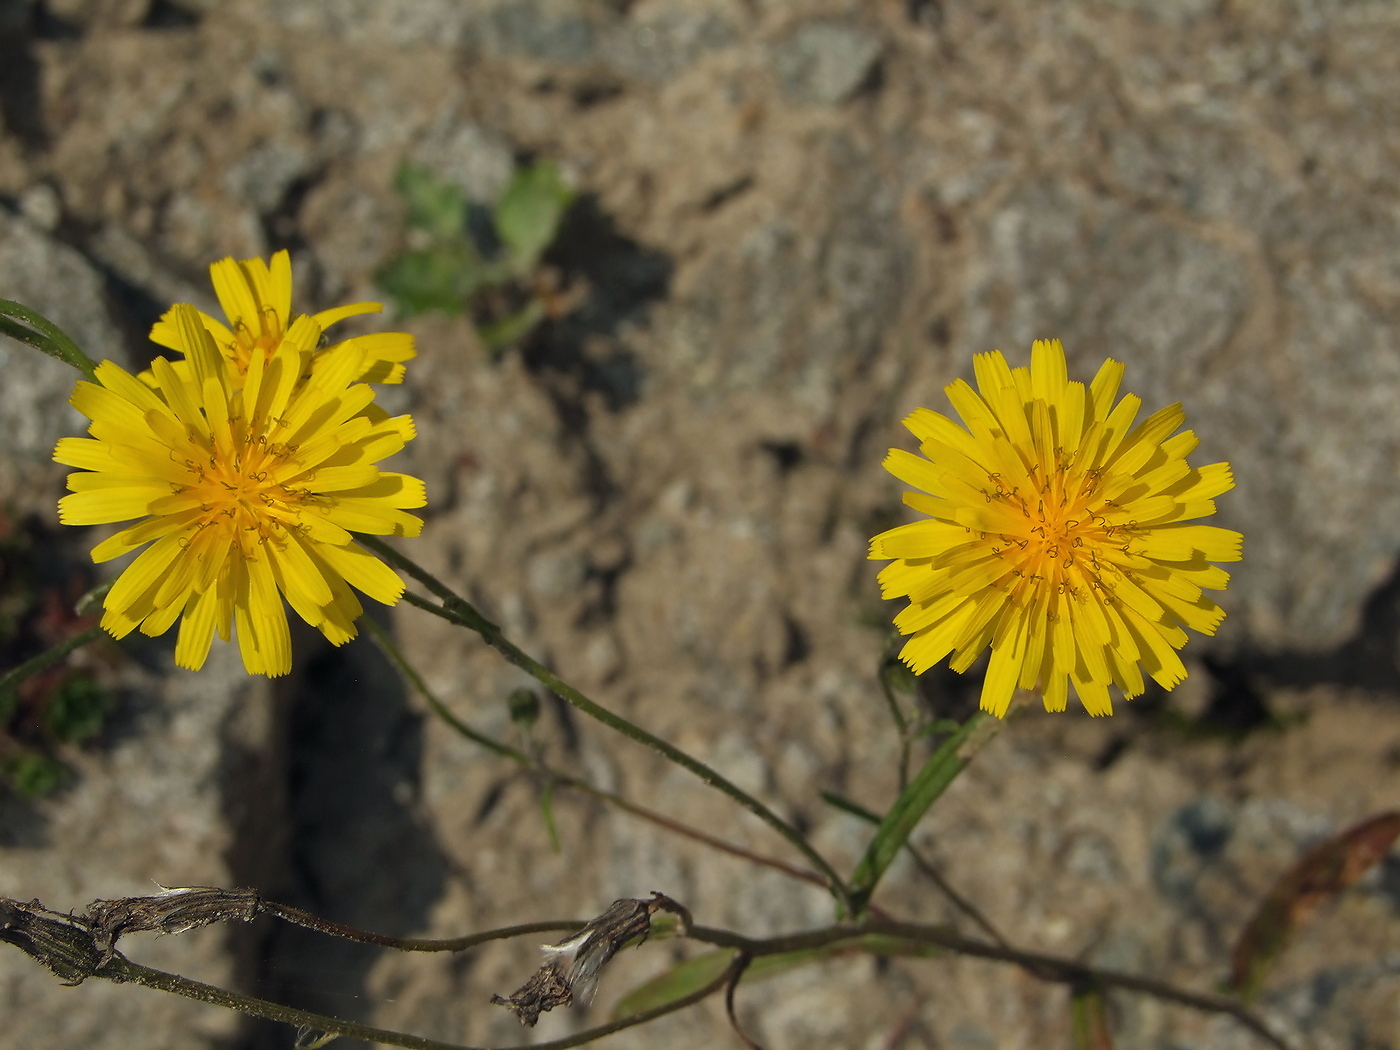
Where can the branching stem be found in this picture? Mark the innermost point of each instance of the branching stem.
(458, 610)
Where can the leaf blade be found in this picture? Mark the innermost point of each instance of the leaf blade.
(1320, 874)
(940, 770)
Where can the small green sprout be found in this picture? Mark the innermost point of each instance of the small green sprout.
(502, 285)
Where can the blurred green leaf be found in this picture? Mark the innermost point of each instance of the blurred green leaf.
(547, 811)
(437, 207)
(694, 974)
(898, 824)
(76, 709)
(1089, 1020)
(529, 213)
(1322, 873)
(439, 278)
(502, 333)
(675, 983)
(33, 774)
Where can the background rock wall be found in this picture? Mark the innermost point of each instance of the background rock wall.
(799, 221)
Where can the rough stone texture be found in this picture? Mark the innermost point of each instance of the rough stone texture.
(151, 805)
(798, 221)
(55, 280)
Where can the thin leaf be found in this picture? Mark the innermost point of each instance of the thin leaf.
(1089, 1020)
(1322, 873)
(932, 780)
(27, 326)
(675, 983)
(547, 811)
(695, 973)
(529, 213)
(510, 329)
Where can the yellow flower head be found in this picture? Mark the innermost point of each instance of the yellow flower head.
(243, 491)
(1056, 534)
(257, 299)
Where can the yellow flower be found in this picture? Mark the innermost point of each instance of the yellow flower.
(242, 493)
(1056, 534)
(257, 299)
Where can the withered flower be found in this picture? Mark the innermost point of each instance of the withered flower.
(173, 910)
(570, 975)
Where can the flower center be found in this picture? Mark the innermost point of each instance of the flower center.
(239, 495)
(1057, 531)
(246, 342)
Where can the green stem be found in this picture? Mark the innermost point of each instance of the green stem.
(458, 610)
(50, 657)
(932, 780)
(396, 657)
(924, 865)
(43, 335)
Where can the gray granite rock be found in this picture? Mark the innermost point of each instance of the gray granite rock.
(151, 808)
(1290, 376)
(48, 276)
(825, 63)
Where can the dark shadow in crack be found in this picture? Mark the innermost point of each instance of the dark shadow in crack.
(353, 846)
(579, 351)
(579, 358)
(21, 104)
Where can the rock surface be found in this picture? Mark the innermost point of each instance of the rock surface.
(798, 221)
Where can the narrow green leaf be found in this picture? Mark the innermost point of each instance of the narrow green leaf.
(503, 333)
(28, 326)
(547, 811)
(1319, 875)
(1089, 1019)
(675, 983)
(932, 780)
(695, 973)
(529, 213)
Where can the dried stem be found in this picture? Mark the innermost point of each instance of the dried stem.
(1046, 967)
(68, 948)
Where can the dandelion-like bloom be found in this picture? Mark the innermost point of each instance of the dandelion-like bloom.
(243, 491)
(257, 300)
(1057, 534)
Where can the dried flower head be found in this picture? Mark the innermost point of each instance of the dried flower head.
(570, 974)
(1057, 534)
(246, 492)
(257, 300)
